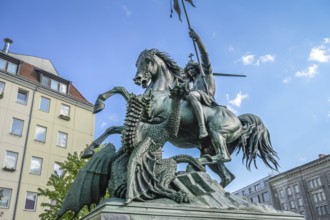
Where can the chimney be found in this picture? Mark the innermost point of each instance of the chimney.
(322, 155)
(8, 42)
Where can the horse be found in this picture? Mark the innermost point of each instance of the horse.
(157, 73)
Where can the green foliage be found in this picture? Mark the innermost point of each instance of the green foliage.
(1, 195)
(58, 187)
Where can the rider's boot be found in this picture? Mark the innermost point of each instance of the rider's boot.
(198, 112)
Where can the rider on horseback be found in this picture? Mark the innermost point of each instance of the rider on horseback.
(202, 86)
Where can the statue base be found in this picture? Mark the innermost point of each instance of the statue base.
(116, 209)
(211, 201)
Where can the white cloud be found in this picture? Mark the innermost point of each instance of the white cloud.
(310, 72)
(231, 48)
(126, 10)
(267, 58)
(287, 79)
(328, 114)
(326, 40)
(103, 125)
(237, 101)
(247, 59)
(319, 54)
(250, 59)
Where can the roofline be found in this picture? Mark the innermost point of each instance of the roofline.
(301, 168)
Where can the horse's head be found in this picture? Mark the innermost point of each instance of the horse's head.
(147, 66)
(156, 70)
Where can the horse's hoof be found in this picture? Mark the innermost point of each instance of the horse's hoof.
(87, 154)
(128, 201)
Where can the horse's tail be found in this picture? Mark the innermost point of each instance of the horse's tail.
(255, 141)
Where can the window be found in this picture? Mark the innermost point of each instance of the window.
(265, 196)
(319, 196)
(63, 88)
(17, 127)
(289, 191)
(65, 110)
(8, 66)
(300, 202)
(54, 84)
(257, 187)
(44, 104)
(292, 204)
(31, 201)
(5, 200)
(281, 192)
(296, 188)
(255, 199)
(322, 210)
(62, 139)
(57, 169)
(40, 134)
(22, 97)
(36, 165)
(2, 87)
(315, 182)
(285, 206)
(10, 161)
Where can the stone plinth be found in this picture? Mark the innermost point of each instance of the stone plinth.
(114, 209)
(210, 201)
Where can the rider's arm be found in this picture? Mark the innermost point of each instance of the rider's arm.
(203, 52)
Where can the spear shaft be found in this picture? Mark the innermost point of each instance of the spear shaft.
(195, 47)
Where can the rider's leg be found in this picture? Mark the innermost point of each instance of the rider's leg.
(198, 112)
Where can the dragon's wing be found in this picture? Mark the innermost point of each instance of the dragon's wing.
(91, 182)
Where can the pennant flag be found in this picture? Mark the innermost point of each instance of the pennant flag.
(176, 7)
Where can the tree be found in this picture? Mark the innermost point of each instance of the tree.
(1, 195)
(58, 187)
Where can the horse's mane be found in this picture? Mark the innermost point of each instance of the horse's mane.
(169, 62)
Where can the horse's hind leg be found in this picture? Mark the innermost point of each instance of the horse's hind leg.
(225, 175)
(220, 146)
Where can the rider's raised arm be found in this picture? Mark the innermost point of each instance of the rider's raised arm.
(203, 52)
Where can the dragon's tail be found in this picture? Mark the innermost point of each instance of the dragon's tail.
(184, 158)
(255, 141)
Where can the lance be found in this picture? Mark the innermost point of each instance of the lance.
(231, 75)
(195, 47)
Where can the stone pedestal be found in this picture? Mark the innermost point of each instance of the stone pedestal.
(211, 201)
(114, 209)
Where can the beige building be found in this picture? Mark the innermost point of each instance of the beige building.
(43, 117)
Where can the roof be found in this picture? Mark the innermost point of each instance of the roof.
(303, 167)
(41, 63)
(31, 67)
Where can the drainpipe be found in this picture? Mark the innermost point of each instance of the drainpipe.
(24, 155)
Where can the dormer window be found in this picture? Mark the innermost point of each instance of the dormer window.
(54, 84)
(8, 66)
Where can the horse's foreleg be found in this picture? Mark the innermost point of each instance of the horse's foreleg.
(99, 104)
(96, 143)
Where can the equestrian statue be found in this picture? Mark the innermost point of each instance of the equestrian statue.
(178, 106)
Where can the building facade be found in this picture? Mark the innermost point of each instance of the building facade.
(304, 189)
(43, 118)
(257, 192)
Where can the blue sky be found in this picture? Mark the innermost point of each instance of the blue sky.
(282, 46)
